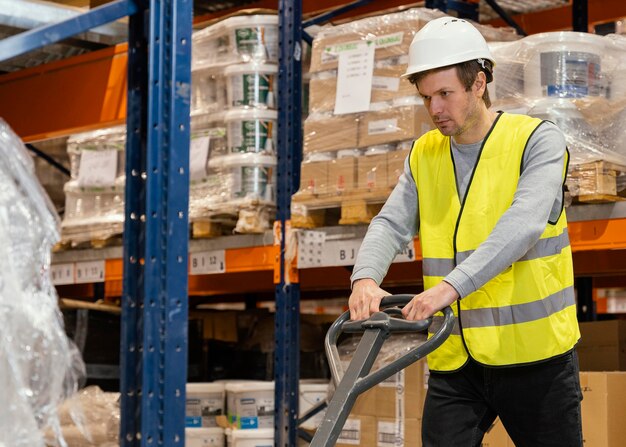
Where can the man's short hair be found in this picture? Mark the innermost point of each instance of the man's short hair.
(466, 71)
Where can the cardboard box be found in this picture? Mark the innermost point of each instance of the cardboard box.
(391, 39)
(393, 124)
(358, 431)
(395, 165)
(497, 436)
(391, 432)
(602, 346)
(402, 395)
(387, 85)
(603, 409)
(330, 132)
(372, 172)
(314, 177)
(342, 175)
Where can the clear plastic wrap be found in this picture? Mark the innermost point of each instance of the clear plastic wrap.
(93, 213)
(235, 40)
(396, 346)
(395, 115)
(94, 197)
(40, 366)
(577, 81)
(109, 143)
(392, 35)
(90, 418)
(208, 90)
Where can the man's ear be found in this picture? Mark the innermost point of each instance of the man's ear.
(480, 83)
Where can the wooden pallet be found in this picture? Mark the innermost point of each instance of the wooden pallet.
(353, 208)
(598, 198)
(68, 242)
(246, 220)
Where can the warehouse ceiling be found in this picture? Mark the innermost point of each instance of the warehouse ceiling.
(20, 15)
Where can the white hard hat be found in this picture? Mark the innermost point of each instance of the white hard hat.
(446, 41)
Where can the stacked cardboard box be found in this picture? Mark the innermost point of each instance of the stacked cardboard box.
(390, 414)
(602, 346)
(603, 409)
(395, 115)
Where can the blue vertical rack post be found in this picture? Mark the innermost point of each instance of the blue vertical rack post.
(287, 319)
(154, 304)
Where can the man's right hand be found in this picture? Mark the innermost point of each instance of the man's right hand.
(365, 298)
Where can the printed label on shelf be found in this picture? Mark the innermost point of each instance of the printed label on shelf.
(354, 78)
(62, 274)
(198, 156)
(207, 262)
(340, 252)
(315, 251)
(88, 272)
(97, 168)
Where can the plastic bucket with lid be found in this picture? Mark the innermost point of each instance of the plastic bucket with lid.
(235, 40)
(252, 130)
(204, 437)
(254, 37)
(251, 404)
(247, 176)
(250, 438)
(563, 64)
(251, 85)
(205, 401)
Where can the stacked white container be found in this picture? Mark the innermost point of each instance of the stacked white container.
(205, 402)
(234, 71)
(94, 196)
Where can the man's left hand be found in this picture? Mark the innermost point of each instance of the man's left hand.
(430, 301)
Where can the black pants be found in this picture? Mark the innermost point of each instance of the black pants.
(539, 404)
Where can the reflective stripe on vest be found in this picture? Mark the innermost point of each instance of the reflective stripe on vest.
(527, 312)
(543, 247)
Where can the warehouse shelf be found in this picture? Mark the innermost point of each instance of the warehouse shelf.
(246, 263)
(89, 91)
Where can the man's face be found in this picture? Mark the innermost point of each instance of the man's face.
(452, 109)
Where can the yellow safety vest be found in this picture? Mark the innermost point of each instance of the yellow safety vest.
(525, 314)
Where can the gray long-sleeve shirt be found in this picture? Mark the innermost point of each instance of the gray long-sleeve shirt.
(537, 199)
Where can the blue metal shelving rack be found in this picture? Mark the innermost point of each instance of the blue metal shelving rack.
(154, 316)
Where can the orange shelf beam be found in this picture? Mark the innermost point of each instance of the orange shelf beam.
(606, 234)
(554, 19)
(75, 94)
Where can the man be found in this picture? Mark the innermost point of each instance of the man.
(485, 191)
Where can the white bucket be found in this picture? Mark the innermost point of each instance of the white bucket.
(252, 130)
(204, 437)
(250, 438)
(254, 37)
(251, 405)
(251, 85)
(205, 401)
(311, 393)
(563, 64)
(247, 176)
(235, 40)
